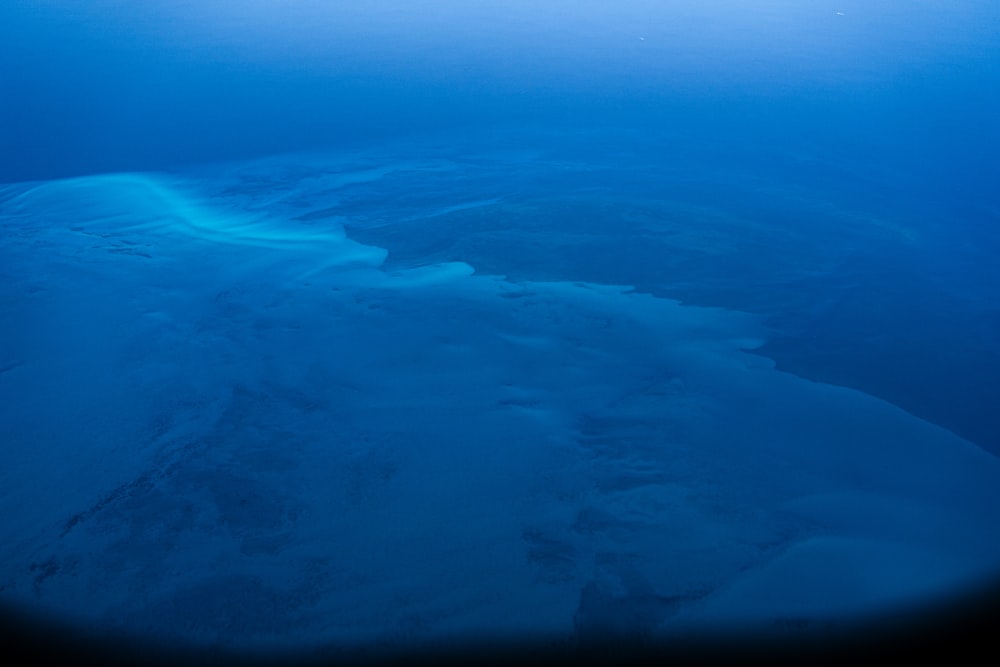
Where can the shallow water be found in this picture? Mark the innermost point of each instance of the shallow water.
(482, 334)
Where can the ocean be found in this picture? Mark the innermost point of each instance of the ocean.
(339, 327)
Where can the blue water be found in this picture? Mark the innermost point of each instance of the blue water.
(391, 324)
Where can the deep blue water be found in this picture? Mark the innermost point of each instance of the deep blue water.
(374, 324)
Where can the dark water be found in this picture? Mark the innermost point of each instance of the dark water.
(332, 324)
